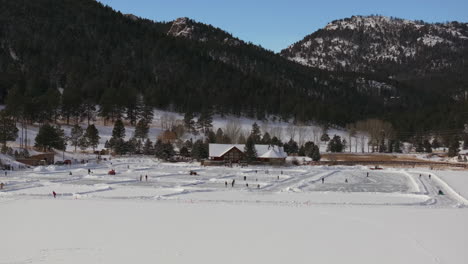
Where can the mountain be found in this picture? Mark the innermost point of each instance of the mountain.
(398, 48)
(431, 60)
(98, 56)
(59, 58)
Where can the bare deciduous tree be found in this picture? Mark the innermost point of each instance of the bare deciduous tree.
(276, 131)
(316, 134)
(233, 130)
(301, 133)
(291, 129)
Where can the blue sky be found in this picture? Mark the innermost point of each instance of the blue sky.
(276, 24)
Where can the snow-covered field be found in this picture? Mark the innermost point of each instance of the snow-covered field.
(284, 215)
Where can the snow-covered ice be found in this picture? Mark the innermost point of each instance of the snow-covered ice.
(284, 215)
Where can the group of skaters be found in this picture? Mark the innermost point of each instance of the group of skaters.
(420, 175)
(246, 184)
(141, 177)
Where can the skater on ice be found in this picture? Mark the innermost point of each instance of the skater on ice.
(54, 194)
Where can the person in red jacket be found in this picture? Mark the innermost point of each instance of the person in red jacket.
(54, 193)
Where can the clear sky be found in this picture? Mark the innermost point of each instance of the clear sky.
(276, 24)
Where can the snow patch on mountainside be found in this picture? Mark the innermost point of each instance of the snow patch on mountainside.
(430, 40)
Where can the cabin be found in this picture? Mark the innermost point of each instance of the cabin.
(235, 153)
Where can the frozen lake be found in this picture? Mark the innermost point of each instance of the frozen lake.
(270, 214)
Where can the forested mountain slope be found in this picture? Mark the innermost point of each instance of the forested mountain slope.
(97, 56)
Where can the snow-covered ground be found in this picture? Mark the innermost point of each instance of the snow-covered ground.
(284, 215)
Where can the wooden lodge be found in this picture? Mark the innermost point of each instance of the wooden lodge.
(234, 153)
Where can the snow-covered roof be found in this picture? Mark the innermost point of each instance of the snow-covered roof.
(273, 153)
(218, 150)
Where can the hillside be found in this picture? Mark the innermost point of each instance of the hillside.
(428, 59)
(59, 59)
(101, 57)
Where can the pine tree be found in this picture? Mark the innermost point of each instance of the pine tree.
(427, 146)
(325, 138)
(435, 143)
(335, 145)
(148, 147)
(189, 123)
(309, 149)
(465, 141)
(83, 143)
(219, 136)
(199, 150)
(131, 146)
(71, 103)
(211, 137)
(147, 113)
(249, 149)
(301, 151)
(8, 129)
(316, 154)
(419, 146)
(276, 142)
(291, 147)
(89, 111)
(119, 130)
(50, 137)
(397, 146)
(142, 129)
(75, 136)
(119, 146)
(226, 139)
(158, 148)
(255, 134)
(454, 147)
(266, 139)
(92, 136)
(52, 103)
(184, 152)
(205, 122)
(117, 142)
